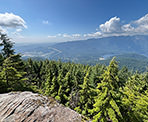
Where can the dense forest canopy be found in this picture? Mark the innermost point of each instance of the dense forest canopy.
(100, 93)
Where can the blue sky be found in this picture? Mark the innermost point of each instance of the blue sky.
(66, 20)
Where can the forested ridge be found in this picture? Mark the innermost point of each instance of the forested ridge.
(100, 93)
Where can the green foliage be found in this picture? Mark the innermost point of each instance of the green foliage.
(86, 93)
(3, 85)
(141, 106)
(1, 59)
(7, 46)
(104, 94)
(12, 73)
(35, 72)
(123, 75)
(135, 98)
(132, 61)
(106, 106)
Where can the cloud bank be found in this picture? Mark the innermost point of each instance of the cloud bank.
(11, 20)
(112, 27)
(11, 24)
(66, 36)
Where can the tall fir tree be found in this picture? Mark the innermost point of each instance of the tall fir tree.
(64, 90)
(135, 98)
(7, 45)
(3, 85)
(50, 82)
(12, 73)
(86, 94)
(106, 106)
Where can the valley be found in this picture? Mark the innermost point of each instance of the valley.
(133, 53)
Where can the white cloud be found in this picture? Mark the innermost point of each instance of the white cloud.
(66, 36)
(111, 26)
(76, 35)
(114, 27)
(127, 28)
(12, 24)
(49, 36)
(2, 30)
(72, 36)
(141, 25)
(17, 33)
(45, 22)
(18, 30)
(142, 21)
(59, 34)
(92, 35)
(11, 20)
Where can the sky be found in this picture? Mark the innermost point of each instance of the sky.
(37, 21)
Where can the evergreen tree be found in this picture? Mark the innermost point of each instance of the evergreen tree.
(135, 98)
(36, 73)
(64, 90)
(106, 107)
(141, 106)
(3, 85)
(58, 87)
(12, 73)
(7, 46)
(1, 59)
(86, 94)
(30, 71)
(50, 83)
(53, 91)
(123, 76)
(73, 99)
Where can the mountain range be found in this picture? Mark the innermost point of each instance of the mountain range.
(90, 51)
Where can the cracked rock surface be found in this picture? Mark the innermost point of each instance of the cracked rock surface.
(32, 107)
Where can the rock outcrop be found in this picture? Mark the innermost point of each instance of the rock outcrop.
(31, 107)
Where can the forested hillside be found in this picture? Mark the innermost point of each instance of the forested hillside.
(103, 46)
(101, 93)
(134, 62)
(131, 51)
